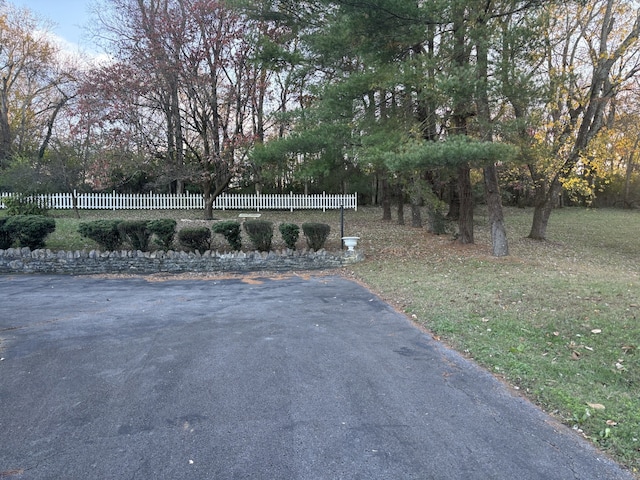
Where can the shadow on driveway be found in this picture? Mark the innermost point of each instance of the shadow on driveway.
(287, 378)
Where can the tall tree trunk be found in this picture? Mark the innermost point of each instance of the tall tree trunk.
(416, 200)
(454, 199)
(5, 126)
(179, 141)
(208, 200)
(462, 110)
(374, 190)
(416, 215)
(210, 194)
(545, 201)
(465, 222)
(499, 243)
(627, 178)
(386, 198)
(50, 124)
(400, 199)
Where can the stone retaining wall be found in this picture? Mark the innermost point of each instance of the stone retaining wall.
(23, 260)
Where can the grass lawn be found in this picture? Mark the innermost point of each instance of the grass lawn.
(558, 320)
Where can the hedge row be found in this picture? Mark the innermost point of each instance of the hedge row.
(111, 234)
(25, 231)
(260, 232)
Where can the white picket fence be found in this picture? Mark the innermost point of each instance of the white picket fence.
(195, 201)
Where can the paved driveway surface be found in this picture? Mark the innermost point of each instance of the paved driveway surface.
(286, 378)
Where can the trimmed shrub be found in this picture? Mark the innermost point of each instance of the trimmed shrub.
(30, 230)
(231, 232)
(104, 232)
(6, 239)
(25, 205)
(164, 230)
(316, 234)
(135, 233)
(197, 238)
(260, 232)
(290, 233)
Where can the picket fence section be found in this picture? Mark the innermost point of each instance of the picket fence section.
(194, 201)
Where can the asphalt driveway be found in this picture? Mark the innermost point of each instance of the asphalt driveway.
(246, 378)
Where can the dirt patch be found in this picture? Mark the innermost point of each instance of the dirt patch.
(253, 278)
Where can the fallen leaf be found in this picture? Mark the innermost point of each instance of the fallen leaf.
(575, 355)
(596, 406)
(611, 423)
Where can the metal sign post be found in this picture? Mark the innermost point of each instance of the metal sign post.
(341, 226)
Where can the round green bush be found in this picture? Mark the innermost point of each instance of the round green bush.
(29, 230)
(231, 232)
(135, 233)
(260, 232)
(316, 234)
(104, 232)
(290, 233)
(196, 238)
(6, 239)
(164, 229)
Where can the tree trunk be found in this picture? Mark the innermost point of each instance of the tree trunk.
(545, 201)
(627, 179)
(386, 199)
(5, 126)
(416, 215)
(499, 244)
(454, 200)
(400, 197)
(416, 199)
(374, 190)
(210, 194)
(208, 201)
(50, 124)
(465, 221)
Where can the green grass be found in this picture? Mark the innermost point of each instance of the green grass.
(559, 320)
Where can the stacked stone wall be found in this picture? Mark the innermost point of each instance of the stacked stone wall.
(24, 260)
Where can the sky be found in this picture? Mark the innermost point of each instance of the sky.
(69, 16)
